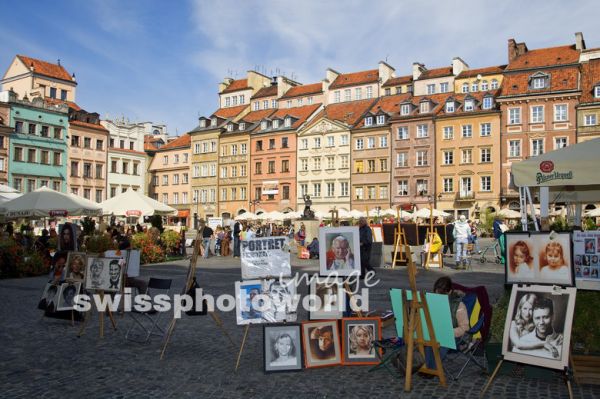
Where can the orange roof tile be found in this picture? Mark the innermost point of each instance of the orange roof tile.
(493, 70)
(349, 112)
(590, 77)
(545, 57)
(460, 98)
(55, 101)
(388, 104)
(236, 85)
(303, 90)
(182, 141)
(565, 78)
(229, 112)
(355, 78)
(298, 113)
(436, 73)
(400, 80)
(266, 92)
(88, 125)
(46, 68)
(256, 116)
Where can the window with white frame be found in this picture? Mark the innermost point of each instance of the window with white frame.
(288, 103)
(212, 194)
(431, 89)
(448, 157)
(234, 149)
(330, 189)
(403, 133)
(538, 82)
(488, 102)
(317, 163)
(227, 101)
(317, 189)
(344, 139)
(196, 171)
(336, 96)
(304, 144)
(514, 148)
(165, 179)
(230, 127)
(597, 91)
(485, 155)
(276, 124)
(242, 126)
(213, 122)
(383, 141)
(223, 194)
(300, 102)
(450, 106)
(165, 198)
(369, 121)
(402, 188)
(358, 193)
(466, 187)
(330, 162)
(422, 131)
(405, 109)
(317, 142)
(424, 107)
(184, 199)
(421, 158)
(243, 148)
(537, 147)
(345, 162)
(304, 164)
(233, 193)
(273, 103)
(223, 171)
(537, 114)
(234, 100)
(560, 142)
(330, 141)
(344, 189)
(422, 187)
(469, 105)
(465, 87)
(255, 105)
(176, 179)
(213, 169)
(383, 192)
(448, 132)
(358, 93)
(371, 142)
(484, 85)
(175, 198)
(359, 144)
(514, 116)
(448, 184)
(380, 119)
(560, 112)
(234, 171)
(243, 170)
(486, 183)
(485, 129)
(474, 86)
(265, 104)
(494, 85)
(467, 131)
(589, 120)
(197, 148)
(242, 193)
(347, 95)
(466, 155)
(369, 91)
(444, 87)
(303, 189)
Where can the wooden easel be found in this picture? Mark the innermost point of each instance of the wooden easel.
(191, 274)
(399, 242)
(411, 316)
(100, 316)
(431, 257)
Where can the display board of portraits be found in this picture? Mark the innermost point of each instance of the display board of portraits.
(131, 256)
(49, 297)
(329, 296)
(265, 301)
(586, 253)
(538, 325)
(321, 342)
(282, 348)
(539, 258)
(76, 266)
(104, 274)
(67, 237)
(358, 335)
(339, 251)
(265, 257)
(66, 295)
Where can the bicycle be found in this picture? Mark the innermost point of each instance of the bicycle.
(495, 247)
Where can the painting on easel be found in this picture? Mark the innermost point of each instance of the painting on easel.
(538, 325)
(339, 251)
(105, 274)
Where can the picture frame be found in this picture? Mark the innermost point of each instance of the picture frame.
(67, 237)
(328, 290)
(321, 343)
(358, 335)
(66, 295)
(539, 258)
(377, 230)
(546, 316)
(279, 338)
(246, 312)
(277, 301)
(76, 266)
(587, 263)
(339, 251)
(104, 274)
(49, 296)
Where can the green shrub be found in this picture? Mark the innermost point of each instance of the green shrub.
(586, 322)
(170, 240)
(156, 221)
(150, 250)
(15, 262)
(99, 243)
(499, 311)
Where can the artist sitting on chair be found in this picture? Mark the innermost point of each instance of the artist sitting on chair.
(460, 318)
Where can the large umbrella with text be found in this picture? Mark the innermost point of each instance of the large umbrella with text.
(45, 202)
(134, 203)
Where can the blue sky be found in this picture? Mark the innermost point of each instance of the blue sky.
(161, 61)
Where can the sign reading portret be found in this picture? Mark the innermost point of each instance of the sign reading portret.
(265, 257)
(586, 250)
(539, 258)
(538, 325)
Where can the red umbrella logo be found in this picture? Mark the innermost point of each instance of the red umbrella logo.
(547, 166)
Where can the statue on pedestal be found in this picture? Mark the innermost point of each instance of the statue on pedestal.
(308, 214)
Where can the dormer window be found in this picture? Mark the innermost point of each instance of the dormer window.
(484, 85)
(230, 127)
(474, 86)
(202, 122)
(242, 126)
(450, 106)
(263, 125)
(287, 122)
(405, 109)
(539, 81)
(276, 124)
(597, 91)
(213, 122)
(424, 107)
(469, 105)
(488, 102)
(465, 88)
(369, 121)
(380, 119)
(494, 84)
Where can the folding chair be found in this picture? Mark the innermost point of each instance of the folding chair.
(148, 321)
(387, 351)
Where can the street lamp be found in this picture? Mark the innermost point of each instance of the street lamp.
(253, 203)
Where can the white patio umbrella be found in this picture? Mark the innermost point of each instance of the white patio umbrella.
(322, 215)
(245, 216)
(392, 212)
(273, 215)
(343, 214)
(292, 215)
(593, 213)
(134, 203)
(355, 214)
(424, 213)
(509, 214)
(83, 201)
(7, 189)
(45, 202)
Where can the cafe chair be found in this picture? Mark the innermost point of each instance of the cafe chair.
(147, 323)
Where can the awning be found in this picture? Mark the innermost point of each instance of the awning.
(183, 213)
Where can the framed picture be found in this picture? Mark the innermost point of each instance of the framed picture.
(321, 342)
(265, 257)
(104, 274)
(377, 230)
(282, 348)
(132, 258)
(339, 251)
(587, 263)
(329, 298)
(538, 325)
(67, 237)
(358, 335)
(246, 307)
(66, 295)
(275, 301)
(76, 262)
(539, 258)
(49, 296)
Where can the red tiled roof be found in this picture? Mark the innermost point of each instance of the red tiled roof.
(46, 68)
(387, 104)
(349, 112)
(126, 150)
(436, 73)
(150, 142)
(303, 90)
(182, 141)
(55, 101)
(400, 80)
(590, 77)
(438, 101)
(256, 116)
(460, 98)
(236, 85)
(493, 70)
(298, 113)
(266, 92)
(229, 112)
(355, 78)
(88, 125)
(560, 79)
(545, 57)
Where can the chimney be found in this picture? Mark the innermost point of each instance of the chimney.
(417, 70)
(458, 65)
(225, 84)
(331, 75)
(515, 49)
(385, 71)
(579, 42)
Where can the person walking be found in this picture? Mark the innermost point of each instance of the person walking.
(207, 234)
(366, 242)
(462, 231)
(237, 228)
(449, 238)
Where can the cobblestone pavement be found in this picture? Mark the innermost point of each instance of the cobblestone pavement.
(42, 357)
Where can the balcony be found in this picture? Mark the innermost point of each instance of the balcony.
(465, 196)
